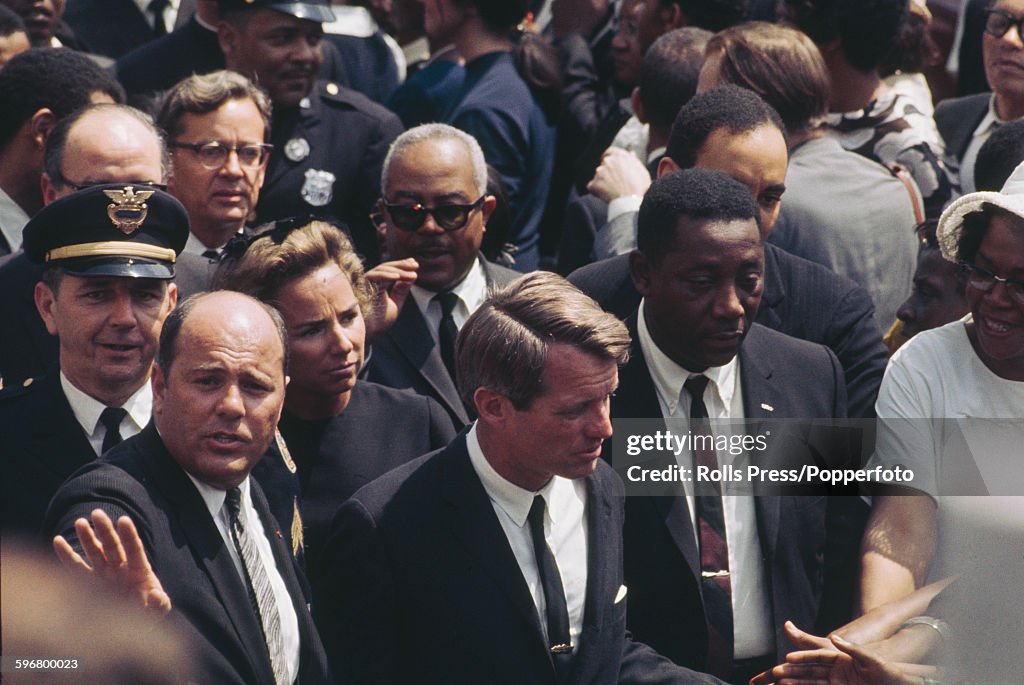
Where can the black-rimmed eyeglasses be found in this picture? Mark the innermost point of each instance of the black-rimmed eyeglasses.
(983, 280)
(998, 22)
(214, 154)
(449, 217)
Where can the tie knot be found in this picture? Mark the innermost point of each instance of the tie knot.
(158, 6)
(233, 501)
(696, 385)
(447, 300)
(111, 418)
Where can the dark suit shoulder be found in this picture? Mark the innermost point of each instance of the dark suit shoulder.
(609, 283)
(950, 108)
(418, 410)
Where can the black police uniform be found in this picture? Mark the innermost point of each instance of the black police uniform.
(327, 160)
(116, 230)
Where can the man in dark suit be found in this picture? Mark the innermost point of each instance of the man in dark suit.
(801, 298)
(698, 356)
(187, 511)
(329, 141)
(435, 208)
(966, 123)
(498, 559)
(109, 253)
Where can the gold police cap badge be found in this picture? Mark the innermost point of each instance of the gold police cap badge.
(128, 208)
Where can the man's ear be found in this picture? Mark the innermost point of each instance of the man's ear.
(674, 17)
(228, 39)
(46, 305)
(41, 123)
(47, 188)
(159, 384)
(491, 407)
(490, 202)
(640, 271)
(637, 103)
(666, 166)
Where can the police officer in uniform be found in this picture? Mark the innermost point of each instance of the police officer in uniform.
(329, 141)
(109, 253)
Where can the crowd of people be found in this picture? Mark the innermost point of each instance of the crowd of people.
(317, 319)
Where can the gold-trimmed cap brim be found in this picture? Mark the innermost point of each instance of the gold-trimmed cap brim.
(112, 248)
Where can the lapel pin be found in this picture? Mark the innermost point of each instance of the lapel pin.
(767, 407)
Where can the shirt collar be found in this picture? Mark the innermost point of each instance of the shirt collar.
(471, 290)
(214, 497)
(990, 121)
(87, 409)
(669, 377)
(512, 499)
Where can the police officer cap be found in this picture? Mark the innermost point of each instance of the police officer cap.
(314, 10)
(134, 231)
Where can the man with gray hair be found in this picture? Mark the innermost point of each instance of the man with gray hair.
(449, 569)
(435, 209)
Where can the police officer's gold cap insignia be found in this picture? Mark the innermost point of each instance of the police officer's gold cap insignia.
(128, 208)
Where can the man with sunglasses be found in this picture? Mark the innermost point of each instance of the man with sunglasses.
(966, 123)
(217, 127)
(435, 208)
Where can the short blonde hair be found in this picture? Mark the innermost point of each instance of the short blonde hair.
(275, 258)
(503, 346)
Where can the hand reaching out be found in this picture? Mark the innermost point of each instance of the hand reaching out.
(117, 556)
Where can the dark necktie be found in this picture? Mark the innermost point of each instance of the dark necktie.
(111, 418)
(554, 595)
(261, 594)
(716, 585)
(156, 10)
(447, 332)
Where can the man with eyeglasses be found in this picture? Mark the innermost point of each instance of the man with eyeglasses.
(217, 126)
(966, 123)
(329, 141)
(435, 208)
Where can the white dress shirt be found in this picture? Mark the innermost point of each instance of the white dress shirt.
(214, 499)
(87, 412)
(12, 220)
(989, 123)
(565, 530)
(752, 625)
(170, 13)
(472, 291)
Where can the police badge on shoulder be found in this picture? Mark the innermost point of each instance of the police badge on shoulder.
(318, 190)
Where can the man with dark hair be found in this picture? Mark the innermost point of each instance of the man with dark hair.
(329, 141)
(499, 108)
(720, 604)
(668, 79)
(999, 155)
(744, 137)
(109, 252)
(966, 123)
(841, 209)
(13, 38)
(867, 116)
(510, 571)
(38, 88)
(195, 537)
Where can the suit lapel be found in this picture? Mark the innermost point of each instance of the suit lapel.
(209, 549)
(475, 524)
(412, 338)
(638, 398)
(57, 438)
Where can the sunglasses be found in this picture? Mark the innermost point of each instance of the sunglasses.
(449, 217)
(998, 22)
